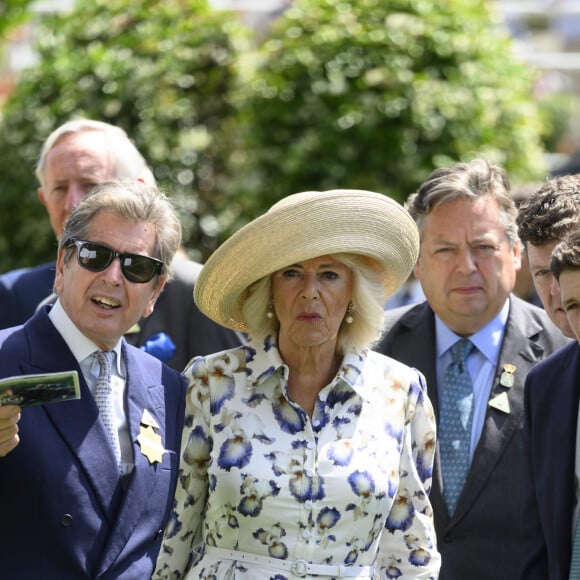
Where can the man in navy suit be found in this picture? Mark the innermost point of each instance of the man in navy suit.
(74, 158)
(549, 226)
(467, 266)
(78, 501)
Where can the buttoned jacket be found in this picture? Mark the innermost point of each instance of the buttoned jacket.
(65, 512)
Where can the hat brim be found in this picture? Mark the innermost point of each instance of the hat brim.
(304, 226)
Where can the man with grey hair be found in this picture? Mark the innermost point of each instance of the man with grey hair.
(88, 483)
(475, 342)
(74, 158)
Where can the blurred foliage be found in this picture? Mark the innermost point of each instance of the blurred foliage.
(12, 12)
(556, 109)
(375, 94)
(161, 70)
(372, 94)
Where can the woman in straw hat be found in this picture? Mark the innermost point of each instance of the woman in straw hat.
(305, 454)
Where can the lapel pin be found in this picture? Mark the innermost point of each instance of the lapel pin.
(147, 419)
(501, 403)
(507, 376)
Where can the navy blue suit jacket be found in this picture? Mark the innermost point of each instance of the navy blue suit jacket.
(64, 511)
(551, 396)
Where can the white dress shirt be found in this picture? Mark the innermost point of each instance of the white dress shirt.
(82, 349)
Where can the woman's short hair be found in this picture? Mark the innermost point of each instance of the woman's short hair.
(368, 298)
(134, 201)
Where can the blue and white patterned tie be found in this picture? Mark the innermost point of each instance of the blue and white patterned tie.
(575, 563)
(455, 423)
(104, 400)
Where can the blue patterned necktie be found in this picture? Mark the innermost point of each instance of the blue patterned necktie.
(575, 563)
(104, 400)
(455, 423)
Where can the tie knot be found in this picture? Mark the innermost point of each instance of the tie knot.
(461, 350)
(105, 360)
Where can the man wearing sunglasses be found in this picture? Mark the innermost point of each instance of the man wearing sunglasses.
(86, 490)
(74, 158)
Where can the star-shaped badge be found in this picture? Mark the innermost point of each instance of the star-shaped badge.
(149, 440)
(151, 444)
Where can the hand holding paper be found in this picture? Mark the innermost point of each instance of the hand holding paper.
(9, 417)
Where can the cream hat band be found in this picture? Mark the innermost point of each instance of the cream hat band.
(304, 226)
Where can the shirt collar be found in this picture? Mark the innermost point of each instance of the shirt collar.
(264, 361)
(79, 344)
(487, 339)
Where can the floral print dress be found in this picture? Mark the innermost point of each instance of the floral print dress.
(348, 486)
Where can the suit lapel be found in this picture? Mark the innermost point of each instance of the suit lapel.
(419, 352)
(76, 421)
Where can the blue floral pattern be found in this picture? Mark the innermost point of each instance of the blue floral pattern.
(348, 486)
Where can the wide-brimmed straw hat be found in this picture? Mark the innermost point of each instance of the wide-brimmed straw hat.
(304, 226)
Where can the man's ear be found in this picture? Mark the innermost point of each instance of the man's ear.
(156, 293)
(60, 266)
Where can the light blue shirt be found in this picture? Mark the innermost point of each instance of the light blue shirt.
(82, 349)
(481, 364)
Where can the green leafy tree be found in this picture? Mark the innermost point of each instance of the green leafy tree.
(377, 93)
(161, 70)
(12, 12)
(372, 94)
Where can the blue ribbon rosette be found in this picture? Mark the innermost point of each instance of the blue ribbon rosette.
(160, 346)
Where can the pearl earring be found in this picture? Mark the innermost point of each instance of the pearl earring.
(269, 308)
(349, 318)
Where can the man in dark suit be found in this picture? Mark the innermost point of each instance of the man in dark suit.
(85, 490)
(467, 266)
(75, 157)
(552, 395)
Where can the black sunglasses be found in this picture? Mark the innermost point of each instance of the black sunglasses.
(96, 258)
